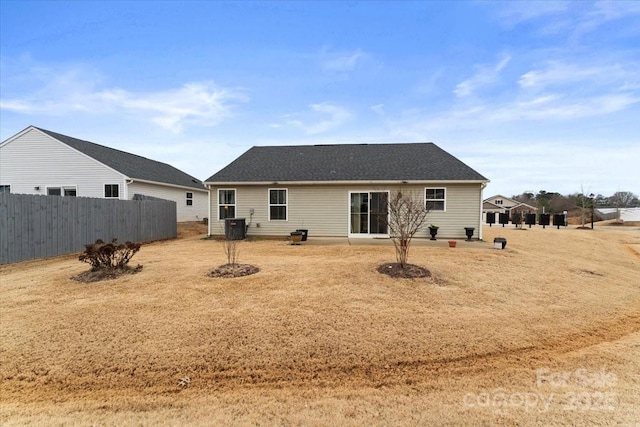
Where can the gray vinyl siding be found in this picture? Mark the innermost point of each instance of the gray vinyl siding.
(34, 159)
(324, 209)
(462, 210)
(195, 212)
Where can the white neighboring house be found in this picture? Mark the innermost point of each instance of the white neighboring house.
(38, 161)
(499, 204)
(624, 214)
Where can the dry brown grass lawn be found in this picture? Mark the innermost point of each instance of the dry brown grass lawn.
(318, 337)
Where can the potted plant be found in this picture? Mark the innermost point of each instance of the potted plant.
(452, 243)
(469, 232)
(296, 237)
(433, 230)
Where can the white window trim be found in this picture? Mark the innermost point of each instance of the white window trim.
(286, 205)
(120, 189)
(6, 185)
(62, 188)
(436, 200)
(187, 198)
(235, 205)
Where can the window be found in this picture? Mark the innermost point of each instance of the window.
(278, 204)
(189, 199)
(498, 202)
(5, 189)
(226, 204)
(62, 191)
(435, 199)
(111, 191)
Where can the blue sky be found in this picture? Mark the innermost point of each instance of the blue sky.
(533, 95)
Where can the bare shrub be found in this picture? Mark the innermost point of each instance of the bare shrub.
(112, 255)
(231, 250)
(108, 260)
(232, 268)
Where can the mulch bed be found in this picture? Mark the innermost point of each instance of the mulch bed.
(233, 270)
(410, 271)
(106, 274)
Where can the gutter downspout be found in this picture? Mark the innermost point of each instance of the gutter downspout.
(482, 187)
(127, 181)
(209, 211)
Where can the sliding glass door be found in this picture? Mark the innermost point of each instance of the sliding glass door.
(368, 213)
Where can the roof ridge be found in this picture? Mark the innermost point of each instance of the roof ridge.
(344, 144)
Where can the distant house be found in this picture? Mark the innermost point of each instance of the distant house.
(38, 161)
(499, 204)
(623, 214)
(340, 190)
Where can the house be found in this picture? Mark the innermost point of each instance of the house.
(38, 161)
(499, 204)
(340, 190)
(623, 214)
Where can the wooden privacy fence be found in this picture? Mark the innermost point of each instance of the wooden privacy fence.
(33, 226)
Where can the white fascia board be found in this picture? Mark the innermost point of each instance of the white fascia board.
(165, 184)
(384, 182)
(17, 135)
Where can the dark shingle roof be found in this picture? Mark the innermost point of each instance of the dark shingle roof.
(348, 162)
(131, 165)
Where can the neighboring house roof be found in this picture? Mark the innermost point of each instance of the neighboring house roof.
(524, 205)
(346, 162)
(500, 196)
(625, 214)
(489, 205)
(131, 165)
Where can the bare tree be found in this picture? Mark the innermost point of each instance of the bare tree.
(407, 215)
(584, 203)
(622, 199)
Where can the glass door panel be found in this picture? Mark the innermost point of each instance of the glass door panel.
(378, 213)
(359, 213)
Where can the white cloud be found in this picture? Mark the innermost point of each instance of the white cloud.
(311, 125)
(559, 73)
(74, 90)
(548, 108)
(17, 106)
(378, 109)
(337, 116)
(340, 61)
(200, 103)
(485, 75)
(555, 107)
(604, 12)
(564, 17)
(515, 12)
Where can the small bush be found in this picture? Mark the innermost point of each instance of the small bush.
(112, 255)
